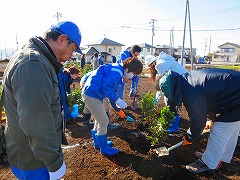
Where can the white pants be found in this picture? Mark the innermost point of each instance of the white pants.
(221, 144)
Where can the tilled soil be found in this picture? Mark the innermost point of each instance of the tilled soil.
(136, 160)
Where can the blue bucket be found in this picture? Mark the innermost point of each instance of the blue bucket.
(74, 112)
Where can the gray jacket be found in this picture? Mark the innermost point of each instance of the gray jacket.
(31, 98)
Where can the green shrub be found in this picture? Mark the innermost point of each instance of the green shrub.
(160, 125)
(157, 122)
(76, 98)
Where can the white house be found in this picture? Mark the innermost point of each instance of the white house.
(105, 47)
(228, 52)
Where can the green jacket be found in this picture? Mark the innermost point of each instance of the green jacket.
(31, 99)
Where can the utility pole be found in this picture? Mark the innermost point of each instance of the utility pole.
(205, 47)
(187, 13)
(6, 52)
(171, 46)
(58, 15)
(153, 33)
(17, 42)
(210, 41)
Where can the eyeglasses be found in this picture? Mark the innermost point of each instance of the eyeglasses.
(75, 47)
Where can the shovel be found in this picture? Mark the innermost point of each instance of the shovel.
(134, 103)
(163, 151)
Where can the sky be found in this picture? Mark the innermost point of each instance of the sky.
(129, 22)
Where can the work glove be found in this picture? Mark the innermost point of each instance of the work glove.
(185, 141)
(59, 173)
(157, 97)
(121, 104)
(122, 114)
(209, 124)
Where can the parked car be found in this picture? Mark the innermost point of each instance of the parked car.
(203, 60)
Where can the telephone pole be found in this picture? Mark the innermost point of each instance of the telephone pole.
(187, 13)
(210, 44)
(171, 45)
(205, 47)
(17, 42)
(153, 33)
(57, 15)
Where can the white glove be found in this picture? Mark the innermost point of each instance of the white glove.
(121, 104)
(59, 173)
(158, 95)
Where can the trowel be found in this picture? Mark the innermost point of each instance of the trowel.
(163, 151)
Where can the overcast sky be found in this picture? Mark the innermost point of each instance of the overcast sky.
(125, 21)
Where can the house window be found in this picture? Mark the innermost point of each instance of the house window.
(230, 50)
(148, 49)
(110, 50)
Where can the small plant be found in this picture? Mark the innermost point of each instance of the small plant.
(157, 122)
(72, 63)
(87, 68)
(160, 125)
(76, 98)
(147, 106)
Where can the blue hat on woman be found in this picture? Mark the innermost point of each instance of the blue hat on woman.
(71, 30)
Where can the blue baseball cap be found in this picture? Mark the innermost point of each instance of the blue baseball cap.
(71, 30)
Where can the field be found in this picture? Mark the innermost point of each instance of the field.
(136, 160)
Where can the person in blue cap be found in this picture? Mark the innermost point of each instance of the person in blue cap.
(213, 93)
(103, 83)
(34, 129)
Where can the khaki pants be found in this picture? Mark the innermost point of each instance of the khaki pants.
(97, 108)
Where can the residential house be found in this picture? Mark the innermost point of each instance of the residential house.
(228, 52)
(88, 53)
(105, 47)
(186, 54)
(164, 48)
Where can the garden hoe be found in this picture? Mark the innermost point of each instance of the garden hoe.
(134, 103)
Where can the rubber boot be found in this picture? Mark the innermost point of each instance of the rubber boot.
(104, 148)
(174, 126)
(95, 142)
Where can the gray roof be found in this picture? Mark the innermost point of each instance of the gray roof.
(145, 45)
(162, 46)
(89, 51)
(105, 41)
(236, 45)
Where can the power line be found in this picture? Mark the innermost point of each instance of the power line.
(157, 29)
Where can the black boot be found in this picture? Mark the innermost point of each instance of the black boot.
(86, 120)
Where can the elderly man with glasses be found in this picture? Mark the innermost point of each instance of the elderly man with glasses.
(34, 129)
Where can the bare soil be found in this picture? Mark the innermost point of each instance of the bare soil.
(136, 160)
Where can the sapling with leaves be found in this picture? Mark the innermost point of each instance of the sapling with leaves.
(157, 122)
(148, 107)
(76, 98)
(160, 125)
